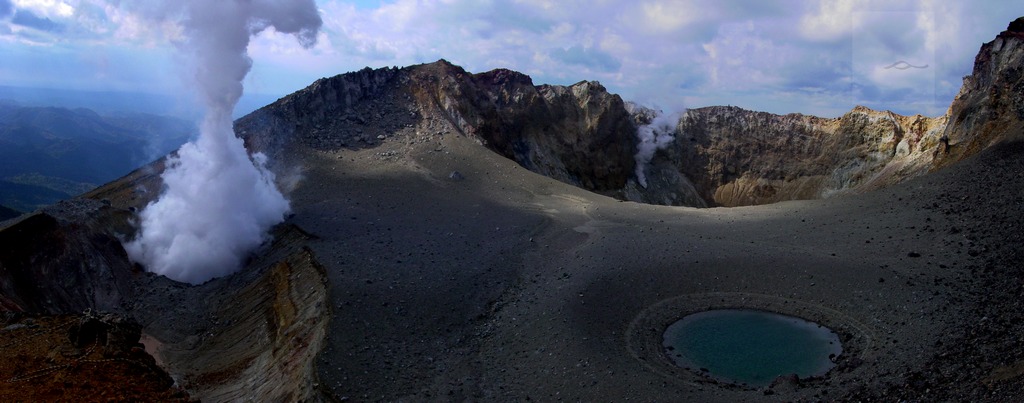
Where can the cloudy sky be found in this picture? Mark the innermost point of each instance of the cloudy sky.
(815, 57)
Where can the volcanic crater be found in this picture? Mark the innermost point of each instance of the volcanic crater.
(459, 236)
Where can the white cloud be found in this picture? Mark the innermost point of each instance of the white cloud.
(615, 44)
(833, 20)
(667, 16)
(46, 8)
(782, 56)
(657, 51)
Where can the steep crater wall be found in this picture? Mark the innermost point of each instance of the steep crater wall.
(737, 157)
(583, 135)
(556, 131)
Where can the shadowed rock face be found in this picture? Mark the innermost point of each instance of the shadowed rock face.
(65, 258)
(578, 134)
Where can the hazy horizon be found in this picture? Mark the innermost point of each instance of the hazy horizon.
(113, 102)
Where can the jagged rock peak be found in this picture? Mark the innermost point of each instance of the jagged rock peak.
(554, 130)
(1016, 26)
(504, 77)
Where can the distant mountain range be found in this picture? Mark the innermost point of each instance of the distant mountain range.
(48, 153)
(106, 102)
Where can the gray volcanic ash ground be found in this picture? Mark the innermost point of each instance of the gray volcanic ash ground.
(504, 284)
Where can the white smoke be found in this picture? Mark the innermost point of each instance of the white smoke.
(653, 137)
(218, 202)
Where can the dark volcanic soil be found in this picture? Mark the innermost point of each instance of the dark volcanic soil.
(979, 359)
(509, 286)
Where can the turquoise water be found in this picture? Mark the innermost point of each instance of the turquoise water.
(751, 347)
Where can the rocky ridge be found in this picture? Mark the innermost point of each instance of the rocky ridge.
(556, 131)
(585, 136)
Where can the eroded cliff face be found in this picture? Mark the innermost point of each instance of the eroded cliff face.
(736, 157)
(990, 106)
(270, 324)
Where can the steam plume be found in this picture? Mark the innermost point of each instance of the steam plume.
(218, 202)
(653, 137)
